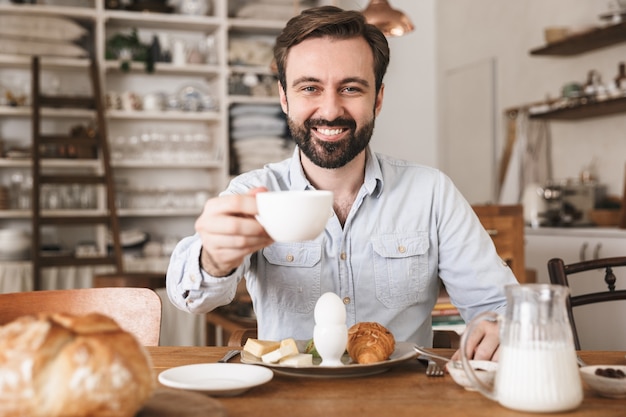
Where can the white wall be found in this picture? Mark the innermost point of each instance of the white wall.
(472, 30)
(453, 33)
(406, 127)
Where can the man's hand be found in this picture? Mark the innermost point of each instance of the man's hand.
(483, 343)
(229, 232)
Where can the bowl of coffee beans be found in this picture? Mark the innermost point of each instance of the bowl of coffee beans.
(606, 380)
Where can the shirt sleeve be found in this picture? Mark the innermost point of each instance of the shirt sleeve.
(192, 289)
(469, 266)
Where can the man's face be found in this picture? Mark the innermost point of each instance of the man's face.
(330, 99)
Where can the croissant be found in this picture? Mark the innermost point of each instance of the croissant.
(370, 342)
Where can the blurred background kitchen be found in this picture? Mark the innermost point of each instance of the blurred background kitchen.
(520, 102)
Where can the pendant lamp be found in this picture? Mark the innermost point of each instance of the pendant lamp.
(390, 21)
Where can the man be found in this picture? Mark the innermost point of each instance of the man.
(397, 226)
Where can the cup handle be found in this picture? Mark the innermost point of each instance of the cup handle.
(480, 386)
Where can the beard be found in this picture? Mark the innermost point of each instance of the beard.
(331, 155)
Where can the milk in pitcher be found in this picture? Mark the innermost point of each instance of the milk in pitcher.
(531, 379)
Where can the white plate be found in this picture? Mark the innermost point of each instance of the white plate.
(404, 351)
(218, 379)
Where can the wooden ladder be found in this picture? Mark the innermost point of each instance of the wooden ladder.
(98, 177)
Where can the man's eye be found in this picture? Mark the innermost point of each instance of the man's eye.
(352, 90)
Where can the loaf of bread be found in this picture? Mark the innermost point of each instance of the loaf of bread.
(72, 366)
(370, 342)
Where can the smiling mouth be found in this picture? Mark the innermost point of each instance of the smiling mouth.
(330, 132)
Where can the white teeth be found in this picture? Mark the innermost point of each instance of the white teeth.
(329, 132)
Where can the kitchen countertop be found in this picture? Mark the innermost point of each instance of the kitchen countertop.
(577, 231)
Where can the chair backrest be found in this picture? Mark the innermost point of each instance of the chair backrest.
(559, 273)
(136, 310)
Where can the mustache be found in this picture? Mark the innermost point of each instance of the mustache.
(342, 122)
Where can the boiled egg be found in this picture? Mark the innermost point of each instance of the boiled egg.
(330, 310)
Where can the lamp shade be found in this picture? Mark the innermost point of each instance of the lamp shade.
(390, 21)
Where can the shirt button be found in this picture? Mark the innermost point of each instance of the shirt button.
(192, 278)
(343, 256)
(290, 258)
(401, 249)
(346, 300)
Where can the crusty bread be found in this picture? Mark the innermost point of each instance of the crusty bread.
(370, 342)
(55, 365)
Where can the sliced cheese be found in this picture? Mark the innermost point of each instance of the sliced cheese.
(287, 347)
(299, 359)
(259, 348)
(272, 357)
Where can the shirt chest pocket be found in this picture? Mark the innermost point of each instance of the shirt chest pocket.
(292, 275)
(400, 268)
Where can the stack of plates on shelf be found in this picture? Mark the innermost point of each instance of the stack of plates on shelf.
(259, 135)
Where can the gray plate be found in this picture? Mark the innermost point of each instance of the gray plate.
(403, 352)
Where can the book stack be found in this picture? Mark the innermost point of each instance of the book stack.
(445, 313)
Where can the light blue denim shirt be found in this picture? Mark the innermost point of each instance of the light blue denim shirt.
(408, 226)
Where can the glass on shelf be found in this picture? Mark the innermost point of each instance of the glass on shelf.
(160, 198)
(174, 147)
(68, 197)
(21, 185)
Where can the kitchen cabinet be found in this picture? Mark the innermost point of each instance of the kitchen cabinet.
(167, 159)
(505, 225)
(602, 37)
(596, 324)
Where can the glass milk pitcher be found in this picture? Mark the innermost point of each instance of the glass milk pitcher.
(537, 368)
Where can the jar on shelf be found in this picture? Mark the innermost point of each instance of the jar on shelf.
(620, 79)
(195, 7)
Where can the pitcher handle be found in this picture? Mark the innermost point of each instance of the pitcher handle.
(480, 386)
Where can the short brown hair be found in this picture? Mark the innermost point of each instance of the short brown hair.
(336, 23)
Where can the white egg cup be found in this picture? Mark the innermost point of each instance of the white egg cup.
(330, 342)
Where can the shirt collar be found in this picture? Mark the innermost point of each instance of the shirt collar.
(299, 181)
(373, 175)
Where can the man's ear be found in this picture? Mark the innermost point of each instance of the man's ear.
(379, 100)
(283, 98)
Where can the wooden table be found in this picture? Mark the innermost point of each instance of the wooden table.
(404, 390)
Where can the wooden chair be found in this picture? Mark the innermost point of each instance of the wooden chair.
(137, 310)
(559, 272)
(441, 339)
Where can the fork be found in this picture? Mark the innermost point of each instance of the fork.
(433, 369)
(229, 355)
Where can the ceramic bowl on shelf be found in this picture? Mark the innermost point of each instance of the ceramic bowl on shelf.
(556, 33)
(605, 380)
(14, 245)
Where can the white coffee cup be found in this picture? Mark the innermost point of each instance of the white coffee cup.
(294, 216)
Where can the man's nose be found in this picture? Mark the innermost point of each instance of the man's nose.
(331, 107)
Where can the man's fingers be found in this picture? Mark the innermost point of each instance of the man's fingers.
(238, 205)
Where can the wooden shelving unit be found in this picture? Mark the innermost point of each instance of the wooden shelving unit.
(601, 37)
(585, 42)
(206, 171)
